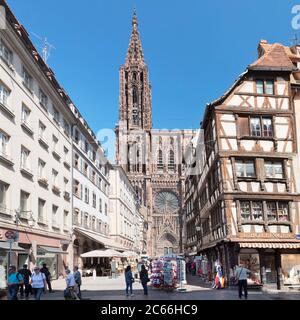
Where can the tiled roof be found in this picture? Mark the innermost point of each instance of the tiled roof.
(275, 57)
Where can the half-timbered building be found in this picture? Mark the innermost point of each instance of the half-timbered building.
(243, 206)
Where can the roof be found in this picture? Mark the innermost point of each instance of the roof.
(275, 57)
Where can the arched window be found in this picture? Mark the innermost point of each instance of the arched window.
(160, 164)
(171, 164)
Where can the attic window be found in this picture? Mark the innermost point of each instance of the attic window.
(265, 86)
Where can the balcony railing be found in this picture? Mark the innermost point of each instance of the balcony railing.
(56, 154)
(43, 142)
(27, 127)
(43, 181)
(56, 189)
(26, 171)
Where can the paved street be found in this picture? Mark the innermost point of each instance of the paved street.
(113, 289)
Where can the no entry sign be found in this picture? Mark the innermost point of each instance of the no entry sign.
(10, 235)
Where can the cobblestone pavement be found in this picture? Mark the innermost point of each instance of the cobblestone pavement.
(113, 289)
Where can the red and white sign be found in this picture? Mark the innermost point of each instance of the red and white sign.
(10, 234)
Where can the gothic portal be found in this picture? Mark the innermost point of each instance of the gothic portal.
(152, 158)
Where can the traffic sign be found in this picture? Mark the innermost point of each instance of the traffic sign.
(10, 234)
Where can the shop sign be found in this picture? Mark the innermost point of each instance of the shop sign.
(298, 236)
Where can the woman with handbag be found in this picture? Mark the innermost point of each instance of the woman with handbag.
(129, 281)
(144, 279)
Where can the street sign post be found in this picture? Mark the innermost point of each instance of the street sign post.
(10, 237)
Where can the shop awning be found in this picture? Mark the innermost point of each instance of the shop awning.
(108, 253)
(5, 245)
(108, 243)
(270, 245)
(52, 250)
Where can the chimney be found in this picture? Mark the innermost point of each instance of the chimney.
(260, 49)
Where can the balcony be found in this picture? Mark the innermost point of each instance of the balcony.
(42, 221)
(5, 108)
(55, 225)
(56, 154)
(43, 182)
(67, 164)
(6, 159)
(5, 211)
(56, 190)
(67, 196)
(43, 142)
(27, 127)
(26, 171)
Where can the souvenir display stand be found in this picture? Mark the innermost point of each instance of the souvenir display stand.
(157, 275)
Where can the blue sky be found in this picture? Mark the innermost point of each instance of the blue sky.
(195, 49)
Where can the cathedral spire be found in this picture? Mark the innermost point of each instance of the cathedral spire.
(135, 54)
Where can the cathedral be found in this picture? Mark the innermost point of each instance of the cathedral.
(152, 158)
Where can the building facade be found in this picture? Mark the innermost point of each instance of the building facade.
(151, 158)
(126, 220)
(243, 205)
(35, 154)
(90, 193)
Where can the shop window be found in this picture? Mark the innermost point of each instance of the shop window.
(290, 264)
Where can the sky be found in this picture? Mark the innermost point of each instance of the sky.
(194, 49)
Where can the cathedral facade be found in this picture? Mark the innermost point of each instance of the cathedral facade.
(153, 159)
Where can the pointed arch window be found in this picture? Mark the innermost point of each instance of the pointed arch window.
(160, 164)
(171, 164)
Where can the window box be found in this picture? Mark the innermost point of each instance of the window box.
(43, 182)
(56, 154)
(43, 142)
(27, 127)
(27, 172)
(6, 159)
(7, 110)
(56, 190)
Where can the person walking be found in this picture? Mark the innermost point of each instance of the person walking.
(77, 277)
(144, 279)
(241, 275)
(13, 282)
(70, 291)
(38, 283)
(47, 274)
(129, 280)
(26, 277)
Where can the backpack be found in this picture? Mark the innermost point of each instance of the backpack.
(21, 281)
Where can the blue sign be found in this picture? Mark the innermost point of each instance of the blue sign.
(298, 236)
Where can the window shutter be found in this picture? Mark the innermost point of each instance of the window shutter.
(243, 125)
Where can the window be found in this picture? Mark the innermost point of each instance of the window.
(76, 161)
(43, 99)
(277, 211)
(85, 169)
(4, 94)
(66, 128)
(93, 176)
(3, 143)
(76, 217)
(94, 155)
(105, 210)
(27, 80)
(66, 218)
(42, 129)
(66, 181)
(251, 210)
(25, 114)
(41, 210)
(100, 205)
(55, 143)
(3, 195)
(54, 177)
(93, 223)
(86, 223)
(41, 168)
(86, 147)
(171, 164)
(5, 53)
(76, 188)
(25, 158)
(94, 200)
(274, 169)
(265, 86)
(76, 136)
(86, 195)
(54, 214)
(160, 165)
(66, 154)
(261, 127)
(245, 168)
(56, 115)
